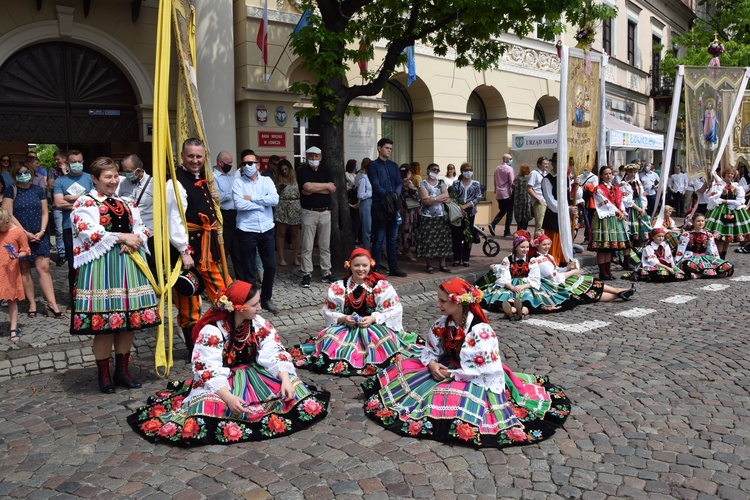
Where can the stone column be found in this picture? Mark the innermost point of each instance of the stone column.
(214, 41)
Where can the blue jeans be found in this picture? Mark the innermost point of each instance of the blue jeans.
(384, 233)
(57, 217)
(365, 218)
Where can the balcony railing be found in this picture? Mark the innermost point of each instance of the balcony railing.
(662, 86)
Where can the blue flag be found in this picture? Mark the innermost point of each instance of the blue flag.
(411, 66)
(304, 20)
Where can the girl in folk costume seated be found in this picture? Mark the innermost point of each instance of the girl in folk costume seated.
(657, 264)
(608, 232)
(672, 235)
(364, 328)
(697, 254)
(515, 287)
(460, 391)
(583, 289)
(727, 216)
(244, 385)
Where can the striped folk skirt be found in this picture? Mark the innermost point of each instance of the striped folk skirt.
(729, 225)
(406, 399)
(608, 233)
(112, 295)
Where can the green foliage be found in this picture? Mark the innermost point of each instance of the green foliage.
(46, 153)
(730, 21)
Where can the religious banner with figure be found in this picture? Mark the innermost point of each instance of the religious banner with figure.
(583, 97)
(738, 151)
(710, 94)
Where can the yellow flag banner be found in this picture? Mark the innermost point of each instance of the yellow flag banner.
(582, 112)
(710, 94)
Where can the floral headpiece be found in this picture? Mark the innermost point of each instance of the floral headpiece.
(233, 297)
(540, 239)
(473, 296)
(356, 253)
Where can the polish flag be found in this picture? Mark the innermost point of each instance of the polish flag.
(262, 39)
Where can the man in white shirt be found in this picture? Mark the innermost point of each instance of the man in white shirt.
(254, 197)
(700, 187)
(676, 186)
(650, 182)
(137, 186)
(534, 189)
(223, 180)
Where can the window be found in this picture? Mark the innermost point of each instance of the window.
(539, 116)
(607, 36)
(655, 62)
(476, 139)
(395, 124)
(631, 42)
(306, 134)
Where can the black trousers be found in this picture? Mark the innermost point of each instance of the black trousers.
(265, 244)
(506, 209)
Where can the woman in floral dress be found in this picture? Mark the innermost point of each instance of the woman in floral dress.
(460, 391)
(363, 330)
(112, 297)
(287, 214)
(727, 216)
(244, 385)
(697, 254)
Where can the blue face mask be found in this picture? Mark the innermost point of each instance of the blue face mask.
(24, 177)
(249, 169)
(76, 168)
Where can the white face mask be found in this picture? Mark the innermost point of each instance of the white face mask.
(433, 175)
(314, 163)
(250, 169)
(468, 174)
(76, 168)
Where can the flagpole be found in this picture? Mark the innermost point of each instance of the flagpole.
(667, 163)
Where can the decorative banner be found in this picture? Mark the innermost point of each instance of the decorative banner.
(583, 96)
(738, 151)
(710, 93)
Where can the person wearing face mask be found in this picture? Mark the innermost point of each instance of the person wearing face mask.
(316, 187)
(254, 197)
(469, 193)
(67, 189)
(504, 177)
(224, 178)
(198, 243)
(137, 186)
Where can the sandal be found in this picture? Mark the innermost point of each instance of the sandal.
(31, 314)
(430, 269)
(56, 314)
(14, 336)
(445, 269)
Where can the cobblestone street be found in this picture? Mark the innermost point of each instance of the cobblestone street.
(659, 388)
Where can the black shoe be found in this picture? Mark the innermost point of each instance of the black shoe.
(507, 234)
(328, 278)
(306, 281)
(60, 260)
(270, 307)
(492, 229)
(626, 294)
(742, 250)
(395, 271)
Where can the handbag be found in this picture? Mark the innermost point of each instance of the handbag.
(411, 204)
(453, 213)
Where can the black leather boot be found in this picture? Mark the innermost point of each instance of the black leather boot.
(122, 376)
(187, 334)
(105, 380)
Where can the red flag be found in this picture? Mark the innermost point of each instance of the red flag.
(262, 39)
(362, 61)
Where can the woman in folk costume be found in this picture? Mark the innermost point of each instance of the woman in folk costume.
(112, 298)
(244, 385)
(583, 289)
(460, 391)
(608, 232)
(634, 201)
(657, 263)
(515, 288)
(727, 216)
(697, 254)
(364, 330)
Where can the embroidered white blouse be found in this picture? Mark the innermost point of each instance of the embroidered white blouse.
(388, 308)
(503, 276)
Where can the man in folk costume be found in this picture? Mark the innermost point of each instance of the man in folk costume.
(198, 243)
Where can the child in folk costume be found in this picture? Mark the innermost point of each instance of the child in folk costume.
(727, 215)
(364, 328)
(608, 232)
(14, 245)
(657, 264)
(697, 254)
(583, 289)
(460, 391)
(514, 286)
(672, 235)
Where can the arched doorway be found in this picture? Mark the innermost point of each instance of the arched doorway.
(69, 95)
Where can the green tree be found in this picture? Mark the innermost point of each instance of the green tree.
(729, 21)
(330, 45)
(46, 153)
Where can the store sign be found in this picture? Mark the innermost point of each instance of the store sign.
(271, 139)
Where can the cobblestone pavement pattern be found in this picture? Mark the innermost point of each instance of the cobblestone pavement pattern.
(661, 410)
